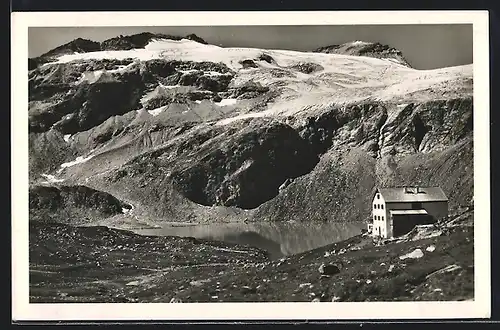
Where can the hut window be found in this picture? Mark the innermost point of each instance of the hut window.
(378, 196)
(382, 206)
(382, 218)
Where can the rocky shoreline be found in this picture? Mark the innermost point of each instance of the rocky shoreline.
(99, 264)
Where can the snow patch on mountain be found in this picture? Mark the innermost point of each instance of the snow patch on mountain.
(359, 42)
(230, 120)
(225, 102)
(77, 161)
(157, 111)
(51, 178)
(169, 86)
(97, 75)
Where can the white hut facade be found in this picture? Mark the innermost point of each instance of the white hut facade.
(395, 211)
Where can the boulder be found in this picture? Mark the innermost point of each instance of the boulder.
(329, 269)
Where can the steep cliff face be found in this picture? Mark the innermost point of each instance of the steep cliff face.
(187, 131)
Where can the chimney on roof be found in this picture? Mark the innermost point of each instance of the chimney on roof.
(412, 190)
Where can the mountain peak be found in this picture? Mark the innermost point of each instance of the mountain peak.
(365, 48)
(196, 38)
(78, 45)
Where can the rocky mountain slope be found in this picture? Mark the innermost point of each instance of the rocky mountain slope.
(181, 130)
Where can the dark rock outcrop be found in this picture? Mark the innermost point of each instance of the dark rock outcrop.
(248, 64)
(307, 68)
(213, 83)
(266, 57)
(34, 62)
(88, 105)
(248, 168)
(71, 204)
(249, 89)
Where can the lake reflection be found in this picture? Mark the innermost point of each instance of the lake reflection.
(278, 238)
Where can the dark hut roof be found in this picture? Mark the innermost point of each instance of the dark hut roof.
(412, 194)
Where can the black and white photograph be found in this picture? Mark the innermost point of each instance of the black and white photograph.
(252, 163)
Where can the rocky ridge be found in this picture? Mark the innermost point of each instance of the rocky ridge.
(362, 48)
(80, 45)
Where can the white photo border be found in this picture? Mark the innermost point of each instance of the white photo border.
(25, 311)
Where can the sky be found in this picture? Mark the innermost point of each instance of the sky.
(423, 46)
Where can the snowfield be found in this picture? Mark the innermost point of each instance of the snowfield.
(342, 79)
